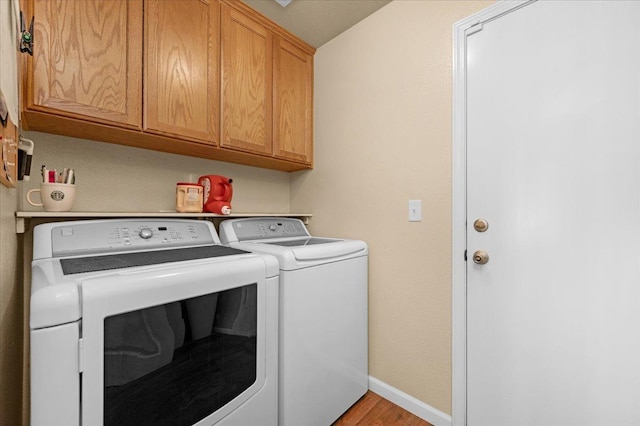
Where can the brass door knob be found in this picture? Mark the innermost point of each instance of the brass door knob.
(480, 225)
(480, 257)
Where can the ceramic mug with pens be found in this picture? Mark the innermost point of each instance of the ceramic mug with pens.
(55, 197)
(57, 190)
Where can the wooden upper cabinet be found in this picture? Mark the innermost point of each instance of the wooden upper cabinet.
(205, 78)
(247, 69)
(87, 60)
(181, 77)
(293, 102)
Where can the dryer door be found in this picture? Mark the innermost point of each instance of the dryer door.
(150, 353)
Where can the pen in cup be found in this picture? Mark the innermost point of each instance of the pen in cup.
(52, 176)
(70, 177)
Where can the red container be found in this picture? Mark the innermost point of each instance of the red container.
(217, 193)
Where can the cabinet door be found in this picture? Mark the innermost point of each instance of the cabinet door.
(181, 89)
(293, 102)
(87, 60)
(246, 83)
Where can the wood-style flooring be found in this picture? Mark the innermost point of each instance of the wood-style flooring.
(374, 410)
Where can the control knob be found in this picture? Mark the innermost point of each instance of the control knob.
(145, 233)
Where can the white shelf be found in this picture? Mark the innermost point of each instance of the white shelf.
(23, 216)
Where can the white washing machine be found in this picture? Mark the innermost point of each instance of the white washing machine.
(136, 322)
(323, 367)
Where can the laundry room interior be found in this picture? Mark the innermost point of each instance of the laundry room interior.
(382, 136)
(382, 147)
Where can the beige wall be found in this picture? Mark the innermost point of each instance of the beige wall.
(120, 178)
(10, 313)
(383, 102)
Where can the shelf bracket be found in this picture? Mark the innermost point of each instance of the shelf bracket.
(21, 225)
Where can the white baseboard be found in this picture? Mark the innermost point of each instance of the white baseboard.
(409, 403)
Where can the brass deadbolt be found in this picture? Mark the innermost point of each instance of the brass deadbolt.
(480, 257)
(480, 225)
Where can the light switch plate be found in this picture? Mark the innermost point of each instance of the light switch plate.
(415, 210)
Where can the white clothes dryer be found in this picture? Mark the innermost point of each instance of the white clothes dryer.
(123, 326)
(323, 367)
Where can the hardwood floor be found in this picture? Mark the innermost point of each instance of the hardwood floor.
(373, 410)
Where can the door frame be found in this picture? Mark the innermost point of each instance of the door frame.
(461, 30)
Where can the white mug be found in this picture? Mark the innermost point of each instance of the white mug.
(56, 197)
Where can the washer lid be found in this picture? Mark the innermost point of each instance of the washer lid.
(340, 250)
(303, 242)
(291, 257)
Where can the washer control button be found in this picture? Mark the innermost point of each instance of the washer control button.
(145, 233)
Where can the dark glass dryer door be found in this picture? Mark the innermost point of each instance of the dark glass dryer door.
(172, 345)
(170, 364)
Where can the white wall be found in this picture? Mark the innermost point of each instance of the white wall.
(383, 102)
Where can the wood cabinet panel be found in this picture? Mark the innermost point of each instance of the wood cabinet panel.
(246, 83)
(293, 102)
(208, 69)
(181, 88)
(88, 59)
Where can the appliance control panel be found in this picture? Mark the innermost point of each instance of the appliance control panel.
(265, 228)
(107, 236)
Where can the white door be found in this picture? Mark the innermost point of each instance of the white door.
(553, 166)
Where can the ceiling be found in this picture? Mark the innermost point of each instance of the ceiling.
(317, 21)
